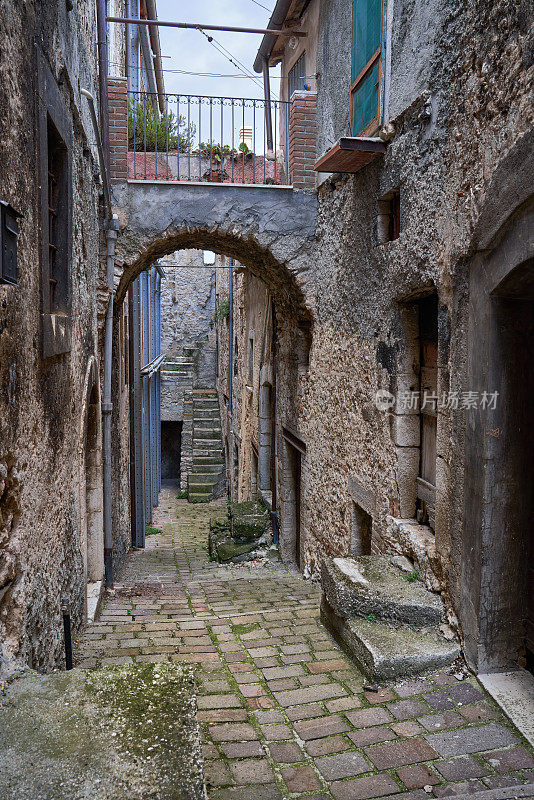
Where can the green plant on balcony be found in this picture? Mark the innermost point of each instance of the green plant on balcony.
(147, 129)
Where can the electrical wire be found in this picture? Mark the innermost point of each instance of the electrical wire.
(231, 58)
(261, 5)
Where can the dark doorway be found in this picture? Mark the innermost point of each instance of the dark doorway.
(362, 525)
(512, 438)
(293, 515)
(171, 448)
(428, 339)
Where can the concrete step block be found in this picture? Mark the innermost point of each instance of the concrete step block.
(384, 652)
(359, 587)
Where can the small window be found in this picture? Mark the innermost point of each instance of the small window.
(297, 75)
(366, 66)
(362, 527)
(251, 359)
(388, 226)
(57, 221)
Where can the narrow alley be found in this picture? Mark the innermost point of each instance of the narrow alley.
(283, 711)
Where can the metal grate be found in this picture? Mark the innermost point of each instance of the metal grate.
(297, 75)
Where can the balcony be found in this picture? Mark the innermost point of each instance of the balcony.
(207, 139)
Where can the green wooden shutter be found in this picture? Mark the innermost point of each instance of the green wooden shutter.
(366, 32)
(365, 101)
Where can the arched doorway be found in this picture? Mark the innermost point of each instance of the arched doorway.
(91, 498)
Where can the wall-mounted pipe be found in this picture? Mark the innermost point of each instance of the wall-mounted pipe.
(156, 49)
(231, 374)
(102, 45)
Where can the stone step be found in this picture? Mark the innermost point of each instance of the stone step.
(195, 497)
(206, 405)
(211, 423)
(206, 413)
(203, 477)
(205, 469)
(207, 433)
(372, 585)
(200, 488)
(208, 460)
(384, 652)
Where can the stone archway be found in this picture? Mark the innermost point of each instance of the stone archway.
(91, 497)
(268, 229)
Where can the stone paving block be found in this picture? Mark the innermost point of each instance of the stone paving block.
(471, 740)
(217, 774)
(413, 687)
(222, 715)
(315, 680)
(310, 694)
(364, 788)
(282, 685)
(320, 727)
(510, 760)
(260, 702)
(252, 690)
(232, 733)
(241, 666)
(502, 781)
(242, 749)
(342, 765)
(267, 715)
(369, 716)
(479, 712)
(399, 754)
(373, 735)
(275, 673)
(252, 770)
(260, 792)
(438, 722)
(464, 693)
(304, 712)
(286, 753)
(246, 677)
(327, 746)
(218, 701)
(461, 768)
(464, 787)
(440, 700)
(407, 728)
(343, 704)
(276, 733)
(327, 666)
(300, 779)
(417, 776)
(407, 709)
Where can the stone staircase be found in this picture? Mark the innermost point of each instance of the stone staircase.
(207, 454)
(386, 618)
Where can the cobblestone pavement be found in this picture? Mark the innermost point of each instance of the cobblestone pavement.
(283, 711)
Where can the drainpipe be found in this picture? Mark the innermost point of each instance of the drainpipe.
(231, 373)
(156, 49)
(267, 97)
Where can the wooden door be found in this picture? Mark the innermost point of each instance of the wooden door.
(426, 482)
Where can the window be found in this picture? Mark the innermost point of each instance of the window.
(297, 75)
(366, 66)
(57, 220)
(388, 224)
(55, 172)
(251, 359)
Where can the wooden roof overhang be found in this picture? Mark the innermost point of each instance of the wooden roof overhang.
(350, 154)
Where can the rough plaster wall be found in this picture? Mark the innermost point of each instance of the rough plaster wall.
(41, 401)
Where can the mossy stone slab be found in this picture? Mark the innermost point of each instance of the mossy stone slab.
(125, 732)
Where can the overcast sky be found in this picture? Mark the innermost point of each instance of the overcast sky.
(190, 51)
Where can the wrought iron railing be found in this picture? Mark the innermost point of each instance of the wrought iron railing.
(207, 139)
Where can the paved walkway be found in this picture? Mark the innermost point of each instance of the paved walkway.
(283, 711)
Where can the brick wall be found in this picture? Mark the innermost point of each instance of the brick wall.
(301, 150)
(118, 129)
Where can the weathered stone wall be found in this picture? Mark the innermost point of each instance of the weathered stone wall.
(43, 402)
(459, 104)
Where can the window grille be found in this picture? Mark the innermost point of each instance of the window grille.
(297, 75)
